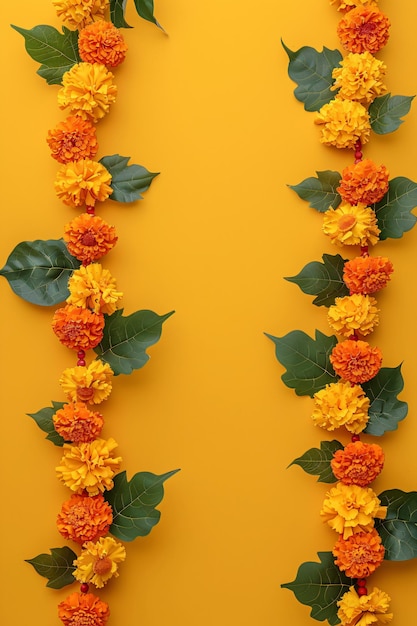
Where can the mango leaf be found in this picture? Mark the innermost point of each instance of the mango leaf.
(117, 13)
(385, 410)
(312, 71)
(386, 111)
(306, 360)
(57, 567)
(394, 210)
(38, 271)
(126, 339)
(128, 181)
(398, 530)
(57, 52)
(320, 192)
(324, 280)
(145, 10)
(134, 502)
(320, 586)
(44, 420)
(317, 461)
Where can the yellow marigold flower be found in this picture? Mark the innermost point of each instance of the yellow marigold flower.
(358, 463)
(93, 287)
(347, 5)
(72, 140)
(98, 562)
(350, 509)
(87, 90)
(364, 28)
(89, 466)
(84, 518)
(355, 610)
(341, 404)
(360, 78)
(101, 42)
(89, 238)
(343, 123)
(78, 328)
(83, 182)
(366, 274)
(353, 314)
(83, 609)
(364, 182)
(91, 384)
(360, 554)
(351, 225)
(75, 423)
(356, 361)
(78, 13)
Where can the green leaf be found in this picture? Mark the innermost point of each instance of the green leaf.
(38, 271)
(324, 280)
(57, 52)
(320, 192)
(385, 410)
(128, 181)
(117, 13)
(44, 420)
(320, 586)
(57, 567)
(394, 210)
(317, 461)
(134, 502)
(312, 71)
(386, 111)
(145, 10)
(306, 360)
(398, 530)
(126, 339)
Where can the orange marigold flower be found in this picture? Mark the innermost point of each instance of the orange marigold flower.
(84, 518)
(101, 42)
(83, 609)
(360, 554)
(93, 287)
(343, 123)
(358, 610)
(353, 314)
(350, 509)
(341, 404)
(87, 90)
(364, 29)
(366, 274)
(83, 182)
(358, 463)
(364, 182)
(76, 423)
(78, 13)
(356, 361)
(351, 225)
(72, 140)
(348, 5)
(78, 328)
(89, 238)
(91, 384)
(99, 561)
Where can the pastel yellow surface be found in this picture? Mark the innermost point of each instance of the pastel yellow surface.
(211, 107)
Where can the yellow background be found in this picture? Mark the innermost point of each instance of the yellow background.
(211, 107)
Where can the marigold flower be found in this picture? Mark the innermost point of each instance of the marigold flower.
(367, 274)
(91, 384)
(83, 182)
(356, 361)
(101, 42)
(347, 5)
(364, 182)
(89, 466)
(78, 328)
(364, 29)
(87, 90)
(355, 610)
(84, 518)
(72, 140)
(83, 609)
(351, 225)
(353, 314)
(93, 287)
(350, 509)
(98, 562)
(360, 78)
(89, 238)
(360, 554)
(341, 404)
(75, 423)
(343, 123)
(358, 463)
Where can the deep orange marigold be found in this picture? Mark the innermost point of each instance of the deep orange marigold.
(364, 182)
(89, 238)
(84, 518)
(358, 463)
(76, 423)
(72, 140)
(356, 361)
(101, 42)
(366, 274)
(83, 609)
(364, 29)
(360, 554)
(78, 328)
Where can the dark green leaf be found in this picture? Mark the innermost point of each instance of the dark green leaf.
(386, 410)
(394, 210)
(399, 529)
(57, 567)
(38, 271)
(128, 181)
(320, 192)
(126, 339)
(145, 10)
(134, 502)
(57, 52)
(306, 360)
(44, 420)
(317, 461)
(386, 111)
(320, 586)
(324, 280)
(117, 13)
(312, 71)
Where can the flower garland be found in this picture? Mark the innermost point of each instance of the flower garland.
(103, 509)
(343, 373)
